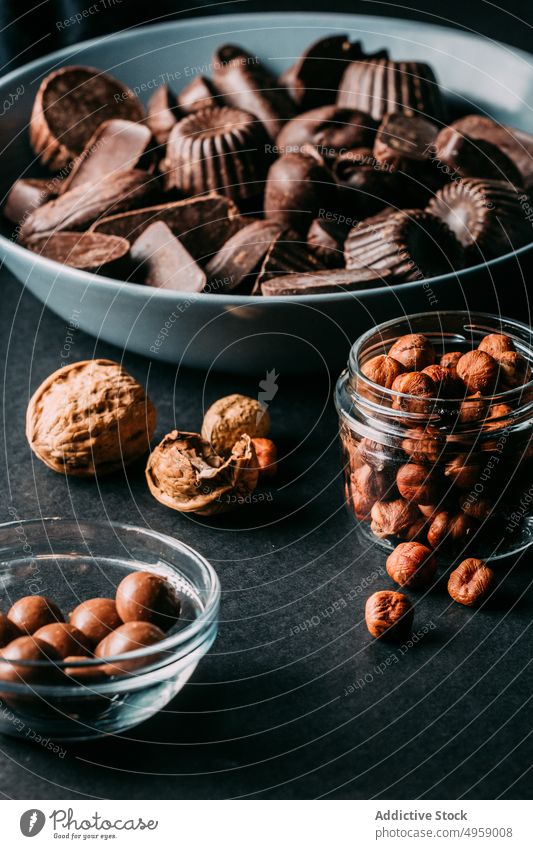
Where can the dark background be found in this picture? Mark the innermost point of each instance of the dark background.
(269, 712)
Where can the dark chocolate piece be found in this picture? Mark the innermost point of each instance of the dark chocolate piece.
(116, 146)
(165, 262)
(202, 224)
(366, 186)
(246, 84)
(412, 244)
(26, 195)
(286, 256)
(80, 207)
(330, 129)
(237, 262)
(402, 141)
(221, 149)
(381, 86)
(87, 251)
(487, 216)
(465, 157)
(326, 282)
(163, 113)
(297, 187)
(70, 105)
(201, 93)
(326, 239)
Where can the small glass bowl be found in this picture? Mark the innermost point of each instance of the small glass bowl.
(70, 562)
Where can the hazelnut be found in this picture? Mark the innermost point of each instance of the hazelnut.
(496, 344)
(428, 510)
(478, 371)
(462, 471)
(472, 409)
(479, 509)
(267, 458)
(450, 361)
(413, 351)
(229, 418)
(423, 445)
(375, 454)
(417, 531)
(361, 505)
(418, 483)
(514, 369)
(389, 615)
(382, 370)
(371, 484)
(498, 416)
(412, 564)
(450, 529)
(471, 582)
(413, 383)
(30, 613)
(90, 418)
(446, 384)
(393, 518)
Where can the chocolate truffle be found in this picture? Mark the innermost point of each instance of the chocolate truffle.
(147, 597)
(297, 187)
(129, 637)
(30, 613)
(96, 618)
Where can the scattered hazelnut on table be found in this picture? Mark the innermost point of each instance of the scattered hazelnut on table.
(478, 371)
(418, 483)
(413, 351)
(496, 344)
(229, 418)
(471, 582)
(267, 457)
(382, 370)
(389, 615)
(392, 518)
(412, 564)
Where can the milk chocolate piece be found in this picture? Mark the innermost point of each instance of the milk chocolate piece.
(326, 239)
(330, 129)
(201, 93)
(286, 256)
(221, 149)
(26, 195)
(163, 113)
(465, 157)
(201, 224)
(326, 282)
(297, 187)
(116, 146)
(70, 105)
(412, 244)
(87, 251)
(487, 216)
(165, 262)
(246, 84)
(366, 186)
(382, 86)
(237, 262)
(79, 207)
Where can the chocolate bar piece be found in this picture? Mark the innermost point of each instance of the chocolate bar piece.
(86, 251)
(326, 282)
(163, 113)
(237, 262)
(286, 256)
(326, 239)
(26, 195)
(165, 262)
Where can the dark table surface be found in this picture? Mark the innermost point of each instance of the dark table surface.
(295, 700)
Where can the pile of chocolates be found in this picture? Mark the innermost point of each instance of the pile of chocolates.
(342, 174)
(145, 607)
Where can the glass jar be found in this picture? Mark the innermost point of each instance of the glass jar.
(454, 473)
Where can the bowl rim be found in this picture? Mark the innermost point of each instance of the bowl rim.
(183, 636)
(115, 286)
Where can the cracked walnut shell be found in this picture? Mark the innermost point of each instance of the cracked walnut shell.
(88, 418)
(186, 474)
(229, 418)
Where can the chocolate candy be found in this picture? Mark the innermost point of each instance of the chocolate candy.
(8, 631)
(221, 149)
(30, 613)
(486, 216)
(201, 224)
(64, 638)
(164, 262)
(80, 207)
(325, 282)
(147, 597)
(246, 84)
(116, 146)
(286, 256)
(87, 251)
(382, 86)
(129, 637)
(365, 185)
(70, 105)
(330, 129)
(404, 141)
(297, 187)
(25, 196)
(236, 264)
(326, 239)
(28, 649)
(412, 244)
(162, 114)
(201, 93)
(84, 674)
(96, 618)
(466, 157)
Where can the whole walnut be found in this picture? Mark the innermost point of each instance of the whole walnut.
(413, 351)
(186, 474)
(471, 582)
(88, 418)
(412, 564)
(389, 615)
(229, 417)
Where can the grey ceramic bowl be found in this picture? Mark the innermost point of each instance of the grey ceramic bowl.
(230, 332)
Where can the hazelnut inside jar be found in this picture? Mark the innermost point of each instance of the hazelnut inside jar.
(436, 428)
